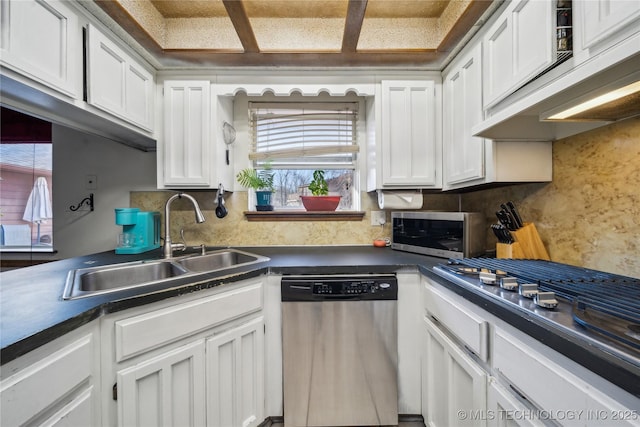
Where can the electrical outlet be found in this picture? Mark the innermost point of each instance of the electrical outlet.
(378, 218)
(91, 182)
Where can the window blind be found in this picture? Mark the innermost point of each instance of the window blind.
(304, 135)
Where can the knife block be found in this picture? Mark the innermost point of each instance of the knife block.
(527, 245)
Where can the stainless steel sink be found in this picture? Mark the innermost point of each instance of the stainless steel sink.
(219, 260)
(85, 282)
(100, 280)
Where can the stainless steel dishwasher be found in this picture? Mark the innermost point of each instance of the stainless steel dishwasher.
(340, 350)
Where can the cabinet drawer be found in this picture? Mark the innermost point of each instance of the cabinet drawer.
(470, 328)
(47, 382)
(553, 388)
(151, 330)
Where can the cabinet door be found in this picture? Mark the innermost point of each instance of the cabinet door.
(61, 387)
(235, 376)
(463, 152)
(604, 18)
(42, 40)
(409, 154)
(518, 46)
(186, 133)
(116, 83)
(454, 385)
(168, 390)
(504, 410)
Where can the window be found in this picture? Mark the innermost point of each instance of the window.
(294, 139)
(25, 184)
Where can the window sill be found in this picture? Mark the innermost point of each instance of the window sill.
(304, 215)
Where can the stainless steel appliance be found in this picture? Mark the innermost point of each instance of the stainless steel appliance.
(593, 310)
(441, 234)
(340, 350)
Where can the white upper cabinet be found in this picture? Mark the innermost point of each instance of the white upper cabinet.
(186, 142)
(191, 153)
(42, 41)
(462, 100)
(409, 149)
(603, 19)
(118, 84)
(519, 45)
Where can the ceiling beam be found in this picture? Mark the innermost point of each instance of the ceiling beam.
(353, 25)
(240, 20)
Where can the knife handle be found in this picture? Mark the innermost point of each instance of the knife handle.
(515, 214)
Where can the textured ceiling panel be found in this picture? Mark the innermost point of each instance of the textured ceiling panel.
(406, 9)
(296, 8)
(380, 34)
(189, 8)
(202, 33)
(299, 32)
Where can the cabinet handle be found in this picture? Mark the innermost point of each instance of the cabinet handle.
(114, 392)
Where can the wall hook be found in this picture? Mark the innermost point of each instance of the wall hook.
(86, 201)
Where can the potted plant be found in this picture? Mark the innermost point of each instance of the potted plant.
(320, 199)
(261, 182)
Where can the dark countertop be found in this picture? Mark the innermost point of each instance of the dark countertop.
(33, 313)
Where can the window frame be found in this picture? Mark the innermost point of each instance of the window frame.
(243, 102)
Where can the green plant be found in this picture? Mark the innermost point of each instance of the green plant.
(318, 185)
(251, 178)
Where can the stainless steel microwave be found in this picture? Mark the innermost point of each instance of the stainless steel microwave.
(440, 234)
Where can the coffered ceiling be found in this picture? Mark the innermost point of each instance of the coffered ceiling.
(299, 33)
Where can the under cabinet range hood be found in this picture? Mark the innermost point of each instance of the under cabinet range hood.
(615, 101)
(531, 112)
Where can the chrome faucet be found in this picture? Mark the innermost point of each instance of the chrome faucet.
(167, 249)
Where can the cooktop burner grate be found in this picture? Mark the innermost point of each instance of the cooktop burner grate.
(606, 302)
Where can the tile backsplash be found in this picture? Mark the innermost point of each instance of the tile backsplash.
(588, 216)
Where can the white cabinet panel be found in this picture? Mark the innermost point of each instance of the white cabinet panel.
(498, 60)
(504, 410)
(141, 333)
(409, 154)
(168, 390)
(116, 83)
(235, 376)
(464, 154)
(454, 386)
(553, 388)
(42, 40)
(601, 19)
(518, 46)
(187, 158)
(55, 389)
(470, 328)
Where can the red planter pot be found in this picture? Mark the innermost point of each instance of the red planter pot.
(320, 203)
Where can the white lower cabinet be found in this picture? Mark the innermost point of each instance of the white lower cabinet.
(167, 390)
(54, 385)
(454, 385)
(524, 383)
(505, 410)
(235, 376)
(192, 363)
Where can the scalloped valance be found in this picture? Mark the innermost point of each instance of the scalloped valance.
(259, 89)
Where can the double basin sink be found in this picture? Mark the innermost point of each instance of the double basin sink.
(149, 275)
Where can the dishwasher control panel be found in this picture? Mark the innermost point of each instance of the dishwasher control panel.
(314, 288)
(348, 288)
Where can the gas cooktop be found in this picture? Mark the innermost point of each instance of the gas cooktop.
(602, 309)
